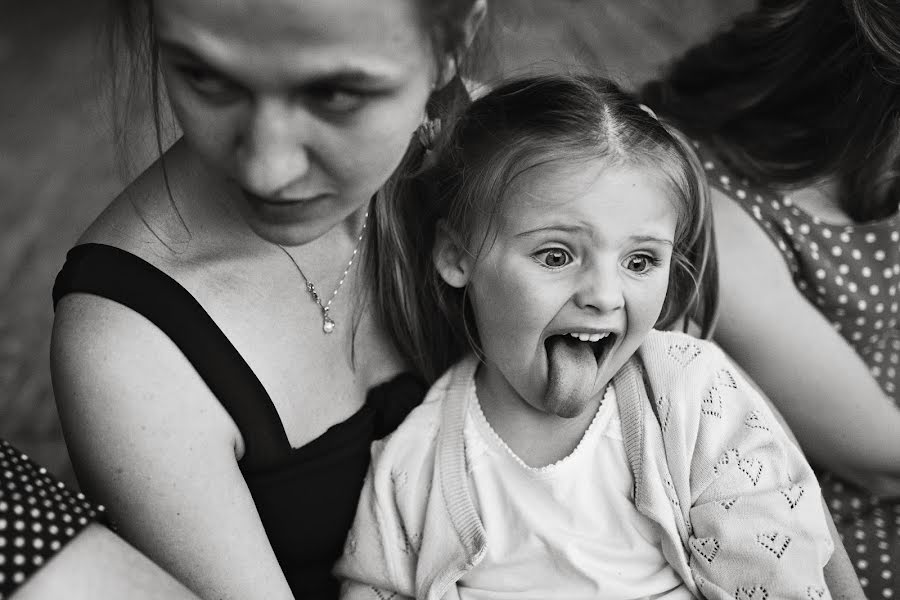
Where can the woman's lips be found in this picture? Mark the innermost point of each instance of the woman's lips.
(282, 210)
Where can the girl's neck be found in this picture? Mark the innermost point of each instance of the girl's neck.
(537, 438)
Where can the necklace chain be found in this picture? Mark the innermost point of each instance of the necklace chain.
(328, 323)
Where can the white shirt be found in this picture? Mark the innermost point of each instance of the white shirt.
(566, 530)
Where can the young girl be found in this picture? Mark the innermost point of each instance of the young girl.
(576, 452)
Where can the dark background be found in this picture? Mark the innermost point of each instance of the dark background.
(59, 167)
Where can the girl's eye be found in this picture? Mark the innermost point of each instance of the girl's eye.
(554, 258)
(640, 263)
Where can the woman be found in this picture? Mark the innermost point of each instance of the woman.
(797, 109)
(213, 403)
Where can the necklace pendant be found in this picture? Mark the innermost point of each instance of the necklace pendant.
(327, 324)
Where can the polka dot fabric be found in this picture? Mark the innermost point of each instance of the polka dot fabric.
(852, 274)
(38, 515)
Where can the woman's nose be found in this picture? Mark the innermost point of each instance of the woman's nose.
(600, 289)
(271, 152)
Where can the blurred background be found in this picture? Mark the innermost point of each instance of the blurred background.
(59, 166)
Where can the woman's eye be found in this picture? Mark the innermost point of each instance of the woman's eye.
(207, 83)
(337, 101)
(554, 258)
(640, 263)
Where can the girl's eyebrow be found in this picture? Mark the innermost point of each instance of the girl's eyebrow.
(553, 227)
(340, 77)
(576, 229)
(652, 239)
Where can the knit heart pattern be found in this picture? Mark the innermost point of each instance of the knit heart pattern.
(727, 504)
(730, 456)
(757, 592)
(776, 543)
(752, 468)
(705, 547)
(712, 403)
(754, 420)
(684, 353)
(815, 593)
(664, 407)
(792, 494)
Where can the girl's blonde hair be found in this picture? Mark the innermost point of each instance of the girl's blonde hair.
(463, 184)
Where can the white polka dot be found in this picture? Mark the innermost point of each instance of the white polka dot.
(873, 290)
(18, 577)
(55, 545)
(38, 543)
(842, 299)
(879, 308)
(18, 542)
(37, 560)
(888, 273)
(887, 593)
(845, 237)
(879, 255)
(856, 254)
(708, 166)
(837, 326)
(860, 321)
(861, 304)
(886, 574)
(897, 269)
(851, 287)
(821, 290)
(870, 238)
(857, 335)
(826, 233)
(875, 371)
(820, 273)
(885, 559)
(866, 272)
(877, 357)
(724, 179)
(804, 228)
(843, 269)
(741, 194)
(839, 280)
(19, 559)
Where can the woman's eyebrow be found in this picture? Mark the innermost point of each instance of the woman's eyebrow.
(339, 77)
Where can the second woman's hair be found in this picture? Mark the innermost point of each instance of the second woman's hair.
(463, 185)
(796, 91)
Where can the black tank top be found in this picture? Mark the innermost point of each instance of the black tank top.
(306, 497)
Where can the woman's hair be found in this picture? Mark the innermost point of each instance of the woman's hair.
(797, 91)
(464, 181)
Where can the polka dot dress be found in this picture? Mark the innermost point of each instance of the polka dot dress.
(852, 274)
(38, 515)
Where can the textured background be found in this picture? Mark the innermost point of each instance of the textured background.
(58, 167)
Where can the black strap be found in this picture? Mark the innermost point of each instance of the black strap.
(122, 277)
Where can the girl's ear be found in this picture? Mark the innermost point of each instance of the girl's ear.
(451, 259)
(469, 28)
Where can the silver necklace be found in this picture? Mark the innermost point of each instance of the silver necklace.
(327, 322)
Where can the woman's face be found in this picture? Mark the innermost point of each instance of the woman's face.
(307, 106)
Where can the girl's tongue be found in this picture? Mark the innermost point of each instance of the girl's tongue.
(572, 371)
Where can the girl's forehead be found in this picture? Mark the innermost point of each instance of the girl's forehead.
(314, 35)
(589, 191)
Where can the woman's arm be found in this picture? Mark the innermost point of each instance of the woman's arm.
(99, 564)
(824, 390)
(149, 441)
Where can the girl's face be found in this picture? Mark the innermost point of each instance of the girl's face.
(306, 106)
(573, 282)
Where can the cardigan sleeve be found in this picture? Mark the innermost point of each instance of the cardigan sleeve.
(756, 523)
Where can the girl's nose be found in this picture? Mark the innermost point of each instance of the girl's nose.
(600, 289)
(271, 153)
